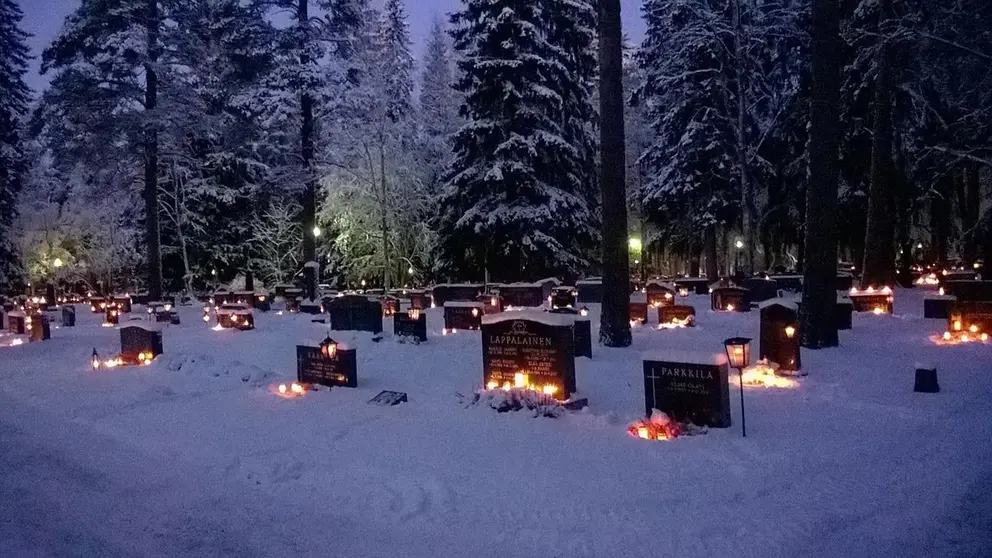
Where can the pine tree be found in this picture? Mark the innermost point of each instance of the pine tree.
(397, 60)
(14, 97)
(513, 204)
(438, 107)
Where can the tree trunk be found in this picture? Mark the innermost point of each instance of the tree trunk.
(694, 257)
(879, 262)
(309, 198)
(386, 267)
(614, 319)
(818, 329)
(746, 263)
(153, 241)
(709, 252)
(939, 222)
(970, 214)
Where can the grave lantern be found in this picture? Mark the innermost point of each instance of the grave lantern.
(739, 356)
(95, 359)
(413, 313)
(206, 313)
(584, 311)
(329, 348)
(475, 312)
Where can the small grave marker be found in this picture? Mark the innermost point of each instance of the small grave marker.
(355, 313)
(412, 324)
(17, 322)
(926, 379)
(564, 297)
(38, 327)
(730, 299)
(140, 343)
(878, 301)
(111, 316)
(677, 315)
(659, 294)
(68, 316)
(522, 294)
(462, 316)
(698, 285)
(388, 398)
(779, 341)
(236, 316)
(590, 290)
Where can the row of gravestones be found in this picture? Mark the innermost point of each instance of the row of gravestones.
(967, 302)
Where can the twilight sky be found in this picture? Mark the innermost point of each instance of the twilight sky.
(43, 19)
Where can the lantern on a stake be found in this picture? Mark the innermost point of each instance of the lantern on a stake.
(95, 359)
(739, 354)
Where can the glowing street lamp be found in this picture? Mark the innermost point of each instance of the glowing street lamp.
(316, 231)
(57, 262)
(739, 244)
(739, 354)
(634, 244)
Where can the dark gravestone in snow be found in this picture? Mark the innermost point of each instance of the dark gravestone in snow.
(465, 292)
(522, 294)
(355, 313)
(969, 291)
(137, 339)
(17, 322)
(845, 281)
(582, 333)
(388, 398)
(964, 315)
(123, 303)
(677, 314)
(937, 306)
(68, 316)
(312, 367)
(112, 315)
(535, 349)
(97, 304)
(563, 297)
(405, 326)
(876, 301)
(698, 285)
(730, 299)
(39, 329)
(590, 290)
(659, 294)
(51, 300)
(688, 389)
(779, 339)
(792, 283)
(419, 299)
(390, 305)
(463, 315)
(759, 289)
(262, 302)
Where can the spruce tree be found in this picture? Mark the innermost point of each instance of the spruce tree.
(513, 205)
(438, 106)
(14, 96)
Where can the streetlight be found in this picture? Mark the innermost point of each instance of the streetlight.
(316, 231)
(410, 270)
(739, 354)
(57, 262)
(635, 244)
(739, 244)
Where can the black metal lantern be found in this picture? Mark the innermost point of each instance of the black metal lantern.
(739, 355)
(95, 359)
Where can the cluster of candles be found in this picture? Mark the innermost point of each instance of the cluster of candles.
(294, 389)
(521, 380)
(144, 358)
(961, 334)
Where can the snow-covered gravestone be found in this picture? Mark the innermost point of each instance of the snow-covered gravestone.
(522, 294)
(660, 293)
(412, 325)
(688, 387)
(355, 313)
(68, 316)
(590, 290)
(760, 289)
(698, 285)
(339, 368)
(730, 299)
(529, 349)
(582, 330)
(637, 309)
(563, 297)
(140, 342)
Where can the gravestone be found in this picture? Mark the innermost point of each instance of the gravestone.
(311, 307)
(529, 350)
(522, 294)
(698, 285)
(280, 289)
(871, 300)
(760, 289)
(937, 306)
(491, 303)
(165, 316)
(293, 304)
(242, 297)
(730, 299)
(926, 379)
(51, 299)
(68, 316)
(111, 316)
(123, 303)
(390, 305)
(293, 293)
(38, 327)
(590, 290)
(845, 281)
(97, 304)
(793, 283)
(463, 315)
(637, 308)
(262, 302)
(462, 292)
(659, 294)
(17, 322)
(222, 296)
(779, 338)
(388, 398)
(250, 282)
(419, 299)
(312, 367)
(140, 340)
(236, 316)
(964, 315)
(677, 314)
(843, 311)
(969, 291)
(688, 388)
(564, 297)
(405, 326)
(582, 333)
(355, 313)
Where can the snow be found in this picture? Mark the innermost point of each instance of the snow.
(194, 456)
(687, 357)
(463, 304)
(786, 302)
(529, 314)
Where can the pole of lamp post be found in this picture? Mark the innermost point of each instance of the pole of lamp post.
(740, 375)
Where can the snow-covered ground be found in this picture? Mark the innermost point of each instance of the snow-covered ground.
(195, 456)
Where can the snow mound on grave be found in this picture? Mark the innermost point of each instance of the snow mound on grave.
(518, 399)
(531, 314)
(687, 357)
(204, 366)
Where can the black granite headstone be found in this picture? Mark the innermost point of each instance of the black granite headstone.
(405, 326)
(564, 297)
(38, 327)
(97, 305)
(390, 305)
(312, 367)
(137, 340)
(730, 299)
(677, 314)
(760, 290)
(463, 315)
(688, 392)
(969, 291)
(355, 312)
(926, 381)
(112, 315)
(17, 322)
(419, 299)
(236, 316)
(877, 302)
(792, 283)
(699, 285)
(455, 293)
(659, 294)
(638, 311)
(522, 294)
(262, 302)
(964, 315)
(68, 316)
(123, 303)
(937, 307)
(590, 290)
(779, 339)
(527, 353)
(51, 299)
